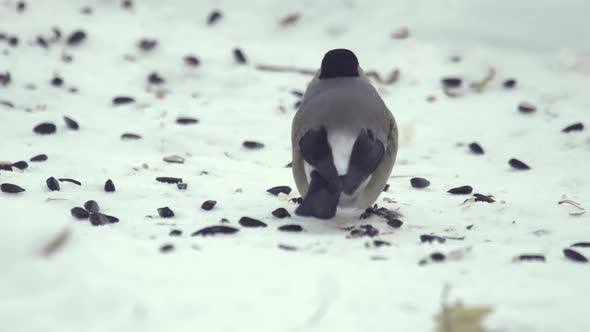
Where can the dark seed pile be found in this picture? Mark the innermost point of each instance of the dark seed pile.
(251, 222)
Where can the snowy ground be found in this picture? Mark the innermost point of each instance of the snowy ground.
(115, 278)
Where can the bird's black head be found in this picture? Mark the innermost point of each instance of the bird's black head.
(339, 63)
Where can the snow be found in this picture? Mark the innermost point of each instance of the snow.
(114, 278)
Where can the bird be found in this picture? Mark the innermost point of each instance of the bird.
(344, 139)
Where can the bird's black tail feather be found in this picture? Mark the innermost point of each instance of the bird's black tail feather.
(321, 199)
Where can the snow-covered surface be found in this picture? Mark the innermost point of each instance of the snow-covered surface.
(114, 278)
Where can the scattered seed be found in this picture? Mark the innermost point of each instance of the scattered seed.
(581, 244)
(214, 16)
(165, 212)
(451, 82)
(296, 200)
(127, 4)
(291, 228)
(574, 127)
(182, 186)
(297, 104)
(21, 6)
(13, 41)
(79, 213)
(281, 213)
(71, 123)
(166, 179)
(5, 167)
(437, 257)
(208, 205)
(42, 42)
(364, 230)
(279, 189)
(213, 230)
(130, 136)
(5, 79)
(52, 184)
(187, 120)
(419, 183)
(509, 83)
(99, 219)
(381, 243)
(483, 198)
(86, 10)
(289, 19)
(147, 44)
(76, 37)
(517, 164)
(476, 148)
(10, 188)
(167, 248)
(252, 145)
(425, 238)
(92, 206)
(531, 258)
(20, 165)
(289, 165)
(287, 247)
(123, 100)
(45, 128)
(401, 33)
(251, 222)
(70, 180)
(5, 102)
(155, 78)
(386, 188)
(109, 186)
(175, 232)
(469, 227)
(174, 159)
(39, 158)
(575, 256)
(191, 60)
(526, 107)
(57, 81)
(239, 56)
(463, 190)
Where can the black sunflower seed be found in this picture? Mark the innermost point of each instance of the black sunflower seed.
(147, 44)
(79, 213)
(45, 128)
(165, 212)
(581, 244)
(52, 184)
(71, 123)
(20, 165)
(476, 148)
(181, 186)
(483, 198)
(279, 189)
(395, 223)
(10, 188)
(98, 219)
(386, 188)
(291, 228)
(575, 256)
(252, 145)
(191, 60)
(281, 213)
(526, 108)
(155, 78)
(463, 190)
(509, 83)
(517, 164)
(5, 79)
(76, 37)
(214, 16)
(426, 238)
(130, 136)
(70, 180)
(289, 165)
(41, 42)
(21, 6)
(287, 247)
(296, 200)
(239, 56)
(166, 179)
(92, 206)
(39, 158)
(175, 232)
(297, 104)
(251, 222)
(296, 93)
(127, 4)
(531, 258)
(187, 120)
(13, 41)
(364, 230)
(57, 81)
(208, 205)
(574, 127)
(122, 100)
(437, 257)
(213, 230)
(381, 243)
(6, 167)
(451, 82)
(419, 183)
(109, 186)
(167, 248)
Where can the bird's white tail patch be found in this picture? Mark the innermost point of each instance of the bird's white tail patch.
(341, 143)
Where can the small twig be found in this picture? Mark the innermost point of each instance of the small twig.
(287, 69)
(572, 203)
